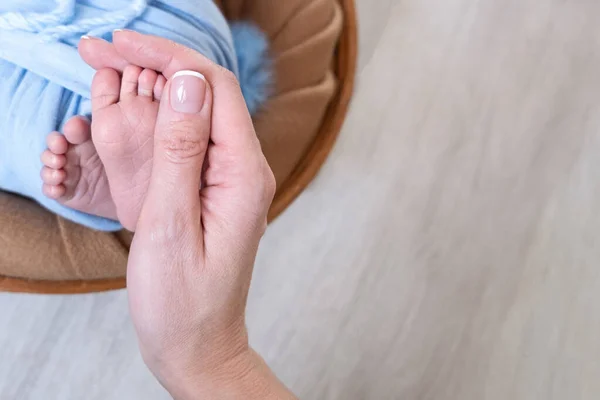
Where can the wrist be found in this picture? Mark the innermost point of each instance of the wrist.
(244, 377)
(194, 355)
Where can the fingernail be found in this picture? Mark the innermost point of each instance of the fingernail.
(88, 37)
(92, 39)
(188, 92)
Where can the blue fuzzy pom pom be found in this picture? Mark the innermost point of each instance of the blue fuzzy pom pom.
(254, 63)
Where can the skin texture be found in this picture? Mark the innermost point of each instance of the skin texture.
(193, 253)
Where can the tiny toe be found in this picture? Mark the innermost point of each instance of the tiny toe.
(78, 130)
(53, 176)
(57, 143)
(105, 88)
(146, 83)
(159, 87)
(129, 83)
(54, 191)
(55, 161)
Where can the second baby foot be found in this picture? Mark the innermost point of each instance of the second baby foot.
(73, 173)
(123, 120)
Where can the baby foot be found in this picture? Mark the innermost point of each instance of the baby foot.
(73, 173)
(123, 120)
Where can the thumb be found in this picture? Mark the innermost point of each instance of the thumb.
(180, 143)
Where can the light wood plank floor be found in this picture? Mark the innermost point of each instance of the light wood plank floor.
(449, 250)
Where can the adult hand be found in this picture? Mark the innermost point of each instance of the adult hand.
(193, 252)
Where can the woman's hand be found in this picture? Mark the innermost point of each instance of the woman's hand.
(193, 253)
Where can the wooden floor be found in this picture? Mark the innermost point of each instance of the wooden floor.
(449, 250)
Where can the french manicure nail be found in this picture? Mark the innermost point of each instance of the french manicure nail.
(88, 37)
(91, 38)
(188, 92)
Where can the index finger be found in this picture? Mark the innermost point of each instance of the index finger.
(100, 54)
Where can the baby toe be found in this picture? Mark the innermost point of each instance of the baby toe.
(57, 143)
(129, 83)
(54, 191)
(106, 87)
(52, 176)
(159, 87)
(78, 130)
(54, 161)
(146, 83)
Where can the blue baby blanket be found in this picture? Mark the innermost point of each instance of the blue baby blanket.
(44, 82)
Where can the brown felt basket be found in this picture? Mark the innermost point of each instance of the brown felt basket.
(314, 46)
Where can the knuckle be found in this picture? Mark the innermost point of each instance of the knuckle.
(167, 231)
(266, 185)
(140, 49)
(183, 142)
(270, 183)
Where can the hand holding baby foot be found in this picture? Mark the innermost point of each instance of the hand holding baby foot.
(104, 169)
(193, 252)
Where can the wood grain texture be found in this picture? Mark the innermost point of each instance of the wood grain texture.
(448, 250)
